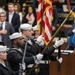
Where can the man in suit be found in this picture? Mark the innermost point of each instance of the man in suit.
(13, 17)
(6, 29)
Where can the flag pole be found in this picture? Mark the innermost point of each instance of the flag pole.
(41, 25)
(56, 33)
(35, 65)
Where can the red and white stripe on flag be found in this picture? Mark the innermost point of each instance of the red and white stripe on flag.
(47, 20)
(46, 17)
(39, 13)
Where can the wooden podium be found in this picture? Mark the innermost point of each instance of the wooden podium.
(67, 66)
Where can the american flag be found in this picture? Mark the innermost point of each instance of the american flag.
(44, 18)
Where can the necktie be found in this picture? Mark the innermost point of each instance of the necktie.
(2, 34)
(0, 27)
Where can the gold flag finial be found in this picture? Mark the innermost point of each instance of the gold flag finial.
(24, 4)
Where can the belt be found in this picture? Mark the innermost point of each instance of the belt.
(41, 62)
(44, 62)
(29, 66)
(15, 72)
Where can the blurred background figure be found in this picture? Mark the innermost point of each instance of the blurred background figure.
(16, 1)
(3, 4)
(35, 3)
(6, 29)
(17, 9)
(30, 16)
(23, 9)
(36, 32)
(13, 17)
(55, 20)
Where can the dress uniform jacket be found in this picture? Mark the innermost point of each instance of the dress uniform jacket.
(34, 49)
(5, 70)
(15, 58)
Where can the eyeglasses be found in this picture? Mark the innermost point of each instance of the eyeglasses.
(2, 51)
(2, 16)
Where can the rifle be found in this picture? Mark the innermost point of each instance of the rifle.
(22, 66)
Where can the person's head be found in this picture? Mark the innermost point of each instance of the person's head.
(2, 16)
(36, 31)
(3, 53)
(26, 30)
(10, 7)
(17, 7)
(30, 9)
(24, 7)
(17, 39)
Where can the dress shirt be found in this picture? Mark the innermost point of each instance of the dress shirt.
(10, 16)
(3, 27)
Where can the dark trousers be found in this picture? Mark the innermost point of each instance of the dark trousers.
(43, 69)
(1, 43)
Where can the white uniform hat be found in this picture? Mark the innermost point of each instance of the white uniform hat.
(35, 28)
(3, 48)
(25, 26)
(15, 35)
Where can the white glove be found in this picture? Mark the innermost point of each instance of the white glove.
(58, 43)
(22, 66)
(39, 56)
(59, 60)
(40, 40)
(37, 61)
(41, 43)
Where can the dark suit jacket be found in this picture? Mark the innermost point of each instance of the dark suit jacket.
(10, 30)
(15, 21)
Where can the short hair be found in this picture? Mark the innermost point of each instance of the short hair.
(3, 13)
(11, 4)
(21, 30)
